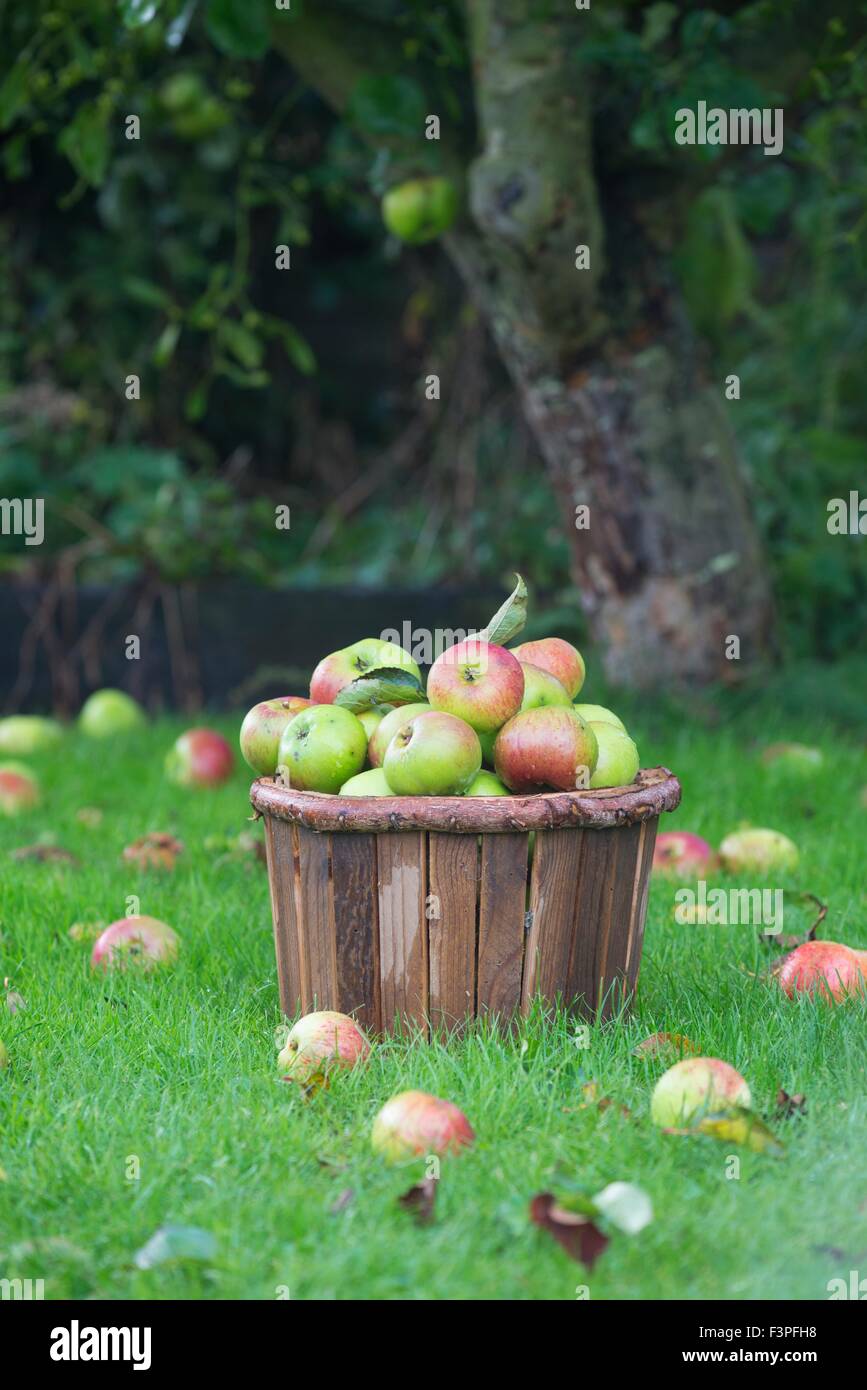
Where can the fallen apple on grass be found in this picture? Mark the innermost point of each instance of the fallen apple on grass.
(822, 969)
(617, 759)
(595, 714)
(681, 854)
(322, 748)
(107, 713)
(141, 942)
(23, 735)
(558, 657)
(758, 851)
(393, 722)
(795, 758)
(369, 783)
(861, 957)
(340, 669)
(435, 754)
(320, 1043)
(479, 682)
(548, 747)
(19, 789)
(200, 758)
(696, 1087)
(413, 1124)
(263, 728)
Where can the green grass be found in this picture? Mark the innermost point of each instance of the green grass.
(179, 1069)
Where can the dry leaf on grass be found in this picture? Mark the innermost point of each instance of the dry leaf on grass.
(419, 1200)
(158, 850)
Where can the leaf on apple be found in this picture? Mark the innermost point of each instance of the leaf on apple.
(419, 1200)
(385, 685)
(574, 1231)
(509, 619)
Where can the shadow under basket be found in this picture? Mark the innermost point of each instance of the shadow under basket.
(432, 910)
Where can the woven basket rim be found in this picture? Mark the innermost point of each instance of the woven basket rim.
(654, 790)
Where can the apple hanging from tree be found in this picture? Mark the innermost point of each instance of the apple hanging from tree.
(393, 722)
(550, 747)
(322, 748)
(19, 789)
(263, 728)
(695, 1087)
(477, 681)
(824, 969)
(414, 1124)
(320, 1043)
(420, 210)
(107, 713)
(435, 754)
(143, 942)
(200, 758)
(341, 668)
(617, 762)
(556, 656)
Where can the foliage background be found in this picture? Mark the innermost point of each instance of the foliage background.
(156, 256)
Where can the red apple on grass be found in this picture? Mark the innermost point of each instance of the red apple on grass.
(200, 758)
(861, 957)
(393, 722)
(758, 851)
(595, 714)
(557, 657)
(617, 762)
(477, 681)
(549, 747)
(823, 969)
(322, 748)
(319, 1043)
(19, 790)
(143, 942)
(369, 783)
(341, 668)
(541, 688)
(22, 735)
(109, 712)
(413, 1124)
(263, 728)
(695, 1087)
(681, 854)
(435, 754)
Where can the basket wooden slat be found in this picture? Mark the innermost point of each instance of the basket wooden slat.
(434, 910)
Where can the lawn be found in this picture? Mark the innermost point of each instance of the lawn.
(178, 1071)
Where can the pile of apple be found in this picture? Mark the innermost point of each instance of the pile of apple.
(492, 721)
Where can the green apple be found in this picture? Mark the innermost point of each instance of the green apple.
(263, 729)
(322, 748)
(22, 735)
(436, 754)
(595, 714)
(695, 1087)
(372, 718)
(541, 688)
(486, 784)
(110, 712)
(420, 209)
(758, 851)
(391, 725)
(369, 783)
(341, 668)
(617, 760)
(487, 742)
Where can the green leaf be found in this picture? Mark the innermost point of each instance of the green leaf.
(13, 94)
(297, 348)
(172, 1243)
(714, 261)
(509, 619)
(136, 13)
(85, 142)
(166, 344)
(388, 106)
(740, 1126)
(244, 345)
(239, 27)
(146, 292)
(387, 685)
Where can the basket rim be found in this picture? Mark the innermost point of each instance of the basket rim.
(655, 789)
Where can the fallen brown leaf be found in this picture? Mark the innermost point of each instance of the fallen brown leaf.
(342, 1201)
(790, 1105)
(419, 1200)
(45, 854)
(788, 941)
(576, 1234)
(669, 1047)
(158, 850)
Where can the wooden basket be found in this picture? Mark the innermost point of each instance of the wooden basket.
(433, 910)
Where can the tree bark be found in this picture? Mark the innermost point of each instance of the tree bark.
(606, 365)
